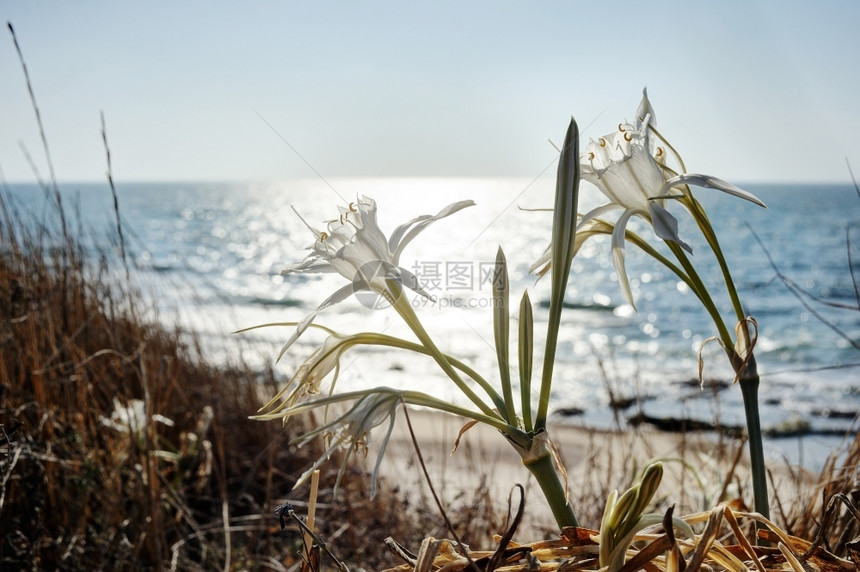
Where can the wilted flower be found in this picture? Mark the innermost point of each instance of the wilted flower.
(309, 375)
(351, 431)
(354, 246)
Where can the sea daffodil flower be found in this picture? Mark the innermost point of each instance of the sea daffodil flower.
(354, 246)
(629, 166)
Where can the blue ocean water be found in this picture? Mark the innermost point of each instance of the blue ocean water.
(210, 256)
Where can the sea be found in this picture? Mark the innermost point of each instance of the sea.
(208, 256)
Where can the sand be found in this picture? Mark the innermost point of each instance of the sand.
(596, 462)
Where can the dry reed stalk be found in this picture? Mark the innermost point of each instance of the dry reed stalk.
(310, 554)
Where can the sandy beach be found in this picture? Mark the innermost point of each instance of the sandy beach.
(596, 462)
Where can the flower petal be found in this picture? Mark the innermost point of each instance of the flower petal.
(645, 109)
(412, 282)
(300, 329)
(666, 225)
(403, 234)
(397, 235)
(342, 294)
(310, 265)
(596, 212)
(587, 226)
(542, 261)
(369, 229)
(710, 182)
(618, 255)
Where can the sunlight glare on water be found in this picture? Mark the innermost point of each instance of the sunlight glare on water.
(211, 256)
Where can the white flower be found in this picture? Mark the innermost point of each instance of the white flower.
(354, 246)
(131, 418)
(629, 166)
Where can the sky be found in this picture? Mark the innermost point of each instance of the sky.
(750, 91)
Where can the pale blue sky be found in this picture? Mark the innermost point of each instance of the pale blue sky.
(746, 90)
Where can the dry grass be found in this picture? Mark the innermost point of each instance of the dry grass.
(721, 543)
(197, 492)
(827, 511)
(817, 528)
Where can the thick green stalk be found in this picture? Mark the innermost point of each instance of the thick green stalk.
(749, 383)
(747, 372)
(543, 469)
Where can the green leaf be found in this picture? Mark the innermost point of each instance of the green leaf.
(526, 352)
(562, 250)
(648, 486)
(501, 329)
(621, 512)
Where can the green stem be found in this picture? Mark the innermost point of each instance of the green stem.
(515, 435)
(543, 469)
(401, 304)
(708, 231)
(391, 341)
(688, 275)
(747, 372)
(749, 390)
(696, 286)
(695, 282)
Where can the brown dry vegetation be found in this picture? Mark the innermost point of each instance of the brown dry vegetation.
(77, 494)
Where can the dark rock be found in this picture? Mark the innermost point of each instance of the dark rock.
(570, 411)
(682, 425)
